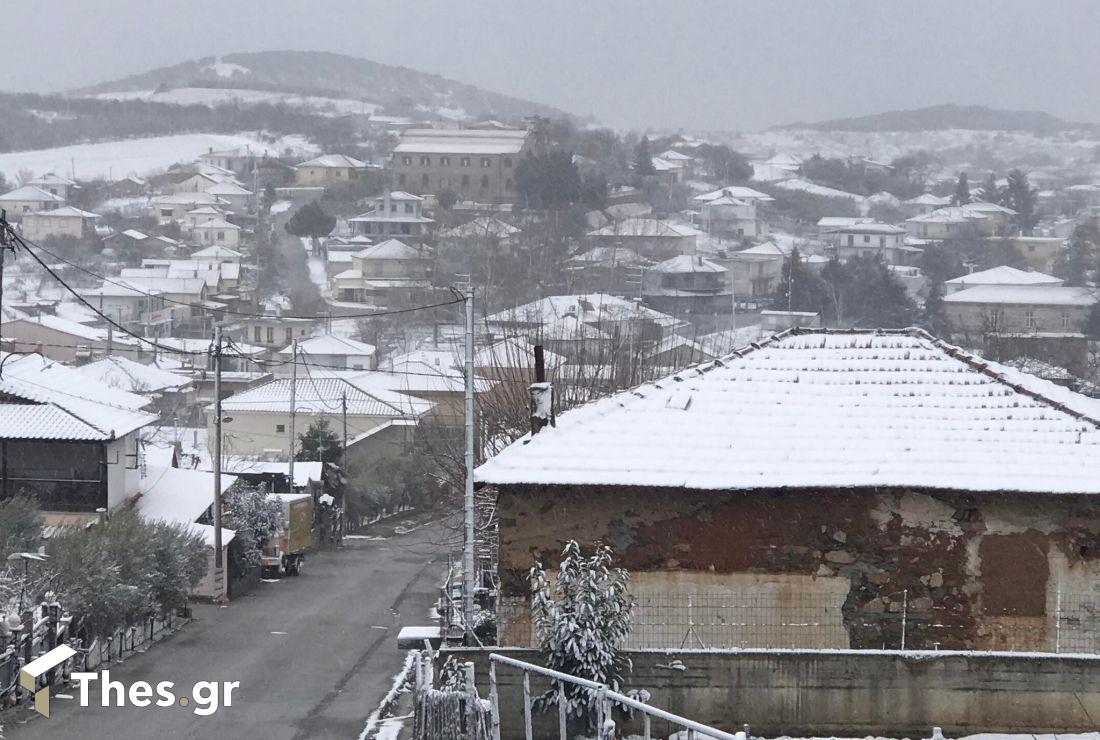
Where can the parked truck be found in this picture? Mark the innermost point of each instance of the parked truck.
(284, 552)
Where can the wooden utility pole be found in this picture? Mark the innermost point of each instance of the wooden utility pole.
(293, 405)
(218, 453)
(468, 580)
(344, 446)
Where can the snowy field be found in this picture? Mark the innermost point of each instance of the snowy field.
(141, 156)
(219, 96)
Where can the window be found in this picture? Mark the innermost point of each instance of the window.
(866, 239)
(851, 241)
(280, 428)
(425, 161)
(465, 181)
(484, 181)
(401, 179)
(164, 212)
(289, 335)
(424, 181)
(508, 184)
(270, 335)
(465, 161)
(486, 162)
(408, 208)
(406, 228)
(445, 161)
(221, 236)
(882, 241)
(406, 160)
(256, 334)
(1029, 319)
(507, 161)
(1065, 321)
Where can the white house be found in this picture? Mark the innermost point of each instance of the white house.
(216, 231)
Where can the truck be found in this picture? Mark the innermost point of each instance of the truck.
(284, 552)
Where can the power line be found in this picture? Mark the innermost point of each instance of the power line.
(128, 286)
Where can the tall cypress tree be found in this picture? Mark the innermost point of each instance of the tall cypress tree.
(962, 191)
(643, 159)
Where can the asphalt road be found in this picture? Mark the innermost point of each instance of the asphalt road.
(314, 655)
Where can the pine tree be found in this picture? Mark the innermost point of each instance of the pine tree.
(319, 443)
(311, 220)
(1079, 260)
(268, 198)
(962, 191)
(582, 620)
(643, 159)
(800, 289)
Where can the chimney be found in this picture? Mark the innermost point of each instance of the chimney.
(542, 395)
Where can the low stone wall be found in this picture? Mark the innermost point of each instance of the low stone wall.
(839, 692)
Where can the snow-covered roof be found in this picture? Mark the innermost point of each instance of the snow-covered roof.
(217, 251)
(135, 235)
(592, 308)
(810, 409)
(66, 212)
(514, 353)
(927, 199)
(1004, 275)
(67, 326)
(814, 189)
(31, 193)
(217, 223)
(228, 188)
(330, 344)
(391, 249)
(323, 395)
(123, 373)
(334, 160)
(740, 192)
(687, 263)
(461, 141)
(647, 227)
(52, 401)
(483, 226)
(177, 495)
(1033, 295)
(304, 471)
(51, 178)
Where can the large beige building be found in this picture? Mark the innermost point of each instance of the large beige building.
(478, 164)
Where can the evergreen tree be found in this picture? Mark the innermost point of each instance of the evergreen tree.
(1079, 261)
(582, 620)
(319, 443)
(990, 192)
(878, 299)
(548, 181)
(933, 317)
(962, 191)
(311, 220)
(800, 289)
(643, 159)
(1020, 197)
(268, 199)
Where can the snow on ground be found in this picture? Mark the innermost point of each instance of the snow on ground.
(212, 96)
(316, 264)
(281, 206)
(138, 156)
(226, 69)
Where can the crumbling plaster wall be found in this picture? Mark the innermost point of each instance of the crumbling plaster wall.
(968, 570)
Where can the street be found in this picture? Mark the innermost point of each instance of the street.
(314, 655)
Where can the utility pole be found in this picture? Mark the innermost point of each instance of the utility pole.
(218, 453)
(293, 405)
(344, 418)
(468, 499)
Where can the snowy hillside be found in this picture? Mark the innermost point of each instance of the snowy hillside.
(399, 90)
(139, 156)
(222, 96)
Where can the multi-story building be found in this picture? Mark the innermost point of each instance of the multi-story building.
(478, 164)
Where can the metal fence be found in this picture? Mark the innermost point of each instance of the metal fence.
(799, 620)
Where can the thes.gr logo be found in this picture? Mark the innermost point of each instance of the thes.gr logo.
(31, 672)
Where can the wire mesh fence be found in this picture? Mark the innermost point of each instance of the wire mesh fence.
(785, 619)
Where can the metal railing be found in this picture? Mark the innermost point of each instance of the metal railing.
(605, 698)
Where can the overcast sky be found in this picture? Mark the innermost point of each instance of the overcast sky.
(726, 64)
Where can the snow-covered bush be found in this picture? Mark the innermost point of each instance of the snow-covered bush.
(582, 620)
(254, 517)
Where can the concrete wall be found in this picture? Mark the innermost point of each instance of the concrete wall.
(978, 318)
(842, 693)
